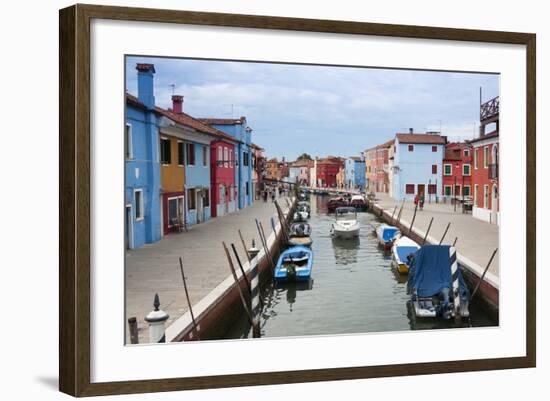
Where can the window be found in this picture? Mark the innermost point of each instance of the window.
(192, 198)
(434, 148)
(457, 190)
(205, 155)
(411, 148)
(181, 154)
(409, 189)
(447, 169)
(245, 158)
(466, 153)
(466, 190)
(432, 189)
(190, 148)
(476, 193)
(486, 196)
(220, 157)
(165, 151)
(465, 169)
(226, 164)
(476, 157)
(128, 151)
(434, 168)
(231, 158)
(486, 157)
(447, 190)
(138, 203)
(247, 189)
(206, 198)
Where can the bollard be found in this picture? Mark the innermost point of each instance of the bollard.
(156, 319)
(132, 324)
(255, 301)
(253, 251)
(456, 284)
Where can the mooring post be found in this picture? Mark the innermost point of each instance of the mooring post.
(445, 233)
(456, 284)
(255, 301)
(157, 319)
(454, 242)
(392, 221)
(483, 275)
(244, 245)
(414, 217)
(237, 283)
(427, 231)
(195, 327)
(132, 325)
(241, 268)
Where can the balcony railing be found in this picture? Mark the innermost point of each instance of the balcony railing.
(493, 171)
(489, 109)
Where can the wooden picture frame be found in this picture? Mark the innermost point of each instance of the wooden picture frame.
(75, 210)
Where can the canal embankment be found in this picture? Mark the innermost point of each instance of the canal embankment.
(475, 239)
(154, 269)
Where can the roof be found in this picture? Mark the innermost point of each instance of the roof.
(421, 139)
(253, 145)
(184, 119)
(493, 134)
(222, 121)
(355, 158)
(386, 144)
(302, 163)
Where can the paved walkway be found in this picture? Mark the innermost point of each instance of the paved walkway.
(476, 239)
(154, 268)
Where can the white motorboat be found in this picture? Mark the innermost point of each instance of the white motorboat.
(346, 224)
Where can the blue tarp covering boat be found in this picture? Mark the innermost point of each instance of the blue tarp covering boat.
(294, 264)
(430, 282)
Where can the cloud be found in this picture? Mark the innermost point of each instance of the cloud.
(318, 109)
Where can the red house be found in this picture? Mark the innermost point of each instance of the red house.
(485, 165)
(222, 177)
(457, 170)
(327, 169)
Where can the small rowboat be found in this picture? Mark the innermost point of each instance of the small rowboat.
(294, 264)
(358, 202)
(402, 250)
(300, 234)
(334, 203)
(346, 224)
(386, 235)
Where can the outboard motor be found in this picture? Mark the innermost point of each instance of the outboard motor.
(445, 309)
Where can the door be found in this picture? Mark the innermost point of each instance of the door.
(494, 205)
(226, 199)
(128, 228)
(421, 190)
(199, 207)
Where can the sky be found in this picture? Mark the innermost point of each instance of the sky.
(321, 110)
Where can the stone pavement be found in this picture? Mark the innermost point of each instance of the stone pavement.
(476, 239)
(154, 268)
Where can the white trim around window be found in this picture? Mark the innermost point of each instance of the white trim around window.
(469, 190)
(450, 190)
(486, 157)
(129, 150)
(469, 169)
(444, 166)
(485, 196)
(139, 214)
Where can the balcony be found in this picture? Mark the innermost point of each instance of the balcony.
(489, 110)
(493, 171)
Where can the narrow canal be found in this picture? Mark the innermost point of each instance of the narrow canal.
(353, 289)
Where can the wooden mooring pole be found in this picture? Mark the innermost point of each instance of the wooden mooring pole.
(414, 217)
(445, 233)
(241, 268)
(427, 231)
(244, 245)
(195, 327)
(237, 283)
(132, 325)
(394, 209)
(483, 275)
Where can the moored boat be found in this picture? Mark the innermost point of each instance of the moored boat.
(300, 234)
(294, 264)
(436, 285)
(402, 250)
(336, 202)
(358, 202)
(386, 235)
(346, 224)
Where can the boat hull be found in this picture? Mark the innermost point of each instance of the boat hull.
(302, 259)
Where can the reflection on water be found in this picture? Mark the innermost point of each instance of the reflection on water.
(356, 290)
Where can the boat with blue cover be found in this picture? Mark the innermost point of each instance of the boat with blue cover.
(294, 264)
(386, 235)
(433, 289)
(402, 250)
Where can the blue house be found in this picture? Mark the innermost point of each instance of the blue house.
(239, 129)
(417, 168)
(142, 168)
(355, 173)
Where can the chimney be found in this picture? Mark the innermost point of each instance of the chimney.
(177, 104)
(411, 130)
(145, 84)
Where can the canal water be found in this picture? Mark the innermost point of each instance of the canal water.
(353, 289)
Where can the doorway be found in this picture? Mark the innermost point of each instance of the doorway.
(200, 207)
(494, 205)
(421, 190)
(128, 228)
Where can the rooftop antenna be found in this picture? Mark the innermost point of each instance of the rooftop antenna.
(173, 86)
